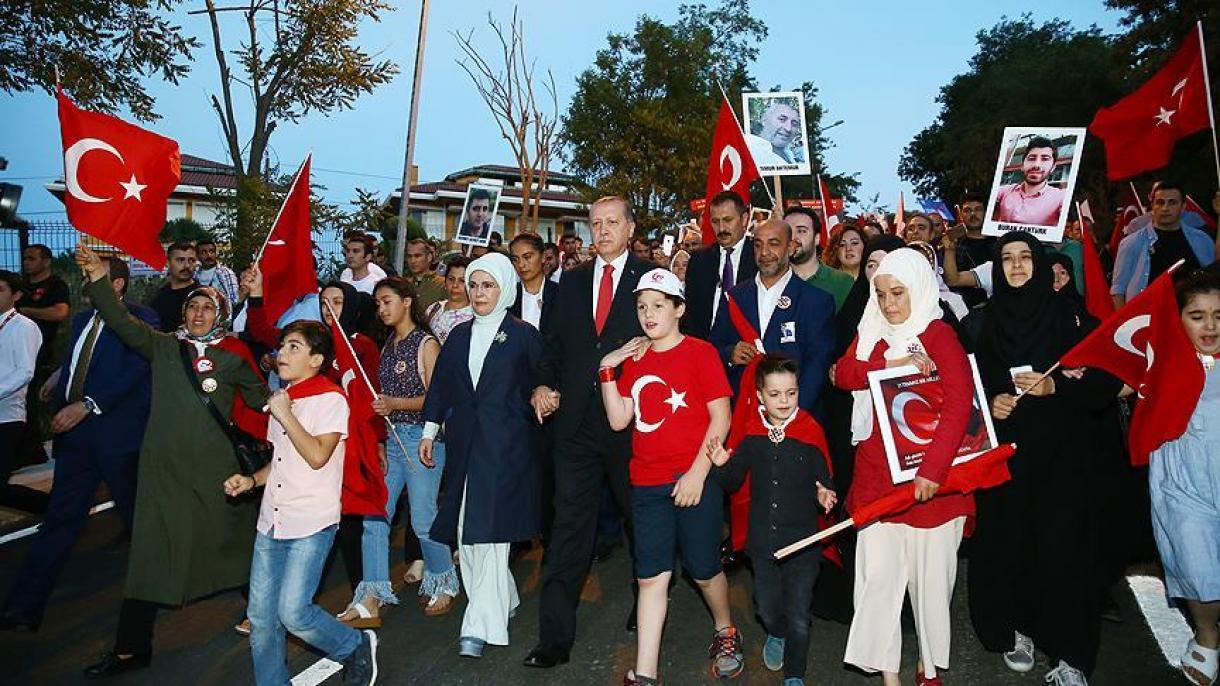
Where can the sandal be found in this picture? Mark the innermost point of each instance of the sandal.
(1200, 664)
(364, 619)
(439, 605)
(414, 573)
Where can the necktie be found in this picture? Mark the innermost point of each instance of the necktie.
(605, 293)
(77, 390)
(726, 275)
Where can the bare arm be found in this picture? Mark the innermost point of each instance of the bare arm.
(953, 277)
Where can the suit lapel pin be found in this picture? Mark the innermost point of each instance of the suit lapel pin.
(784, 302)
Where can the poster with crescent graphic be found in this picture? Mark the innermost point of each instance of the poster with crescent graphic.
(908, 405)
(775, 132)
(1034, 179)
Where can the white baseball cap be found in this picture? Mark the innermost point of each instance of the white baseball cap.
(662, 280)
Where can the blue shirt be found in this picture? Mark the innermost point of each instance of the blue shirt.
(1133, 264)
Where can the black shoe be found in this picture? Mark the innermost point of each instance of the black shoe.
(112, 665)
(360, 667)
(635, 607)
(545, 658)
(11, 621)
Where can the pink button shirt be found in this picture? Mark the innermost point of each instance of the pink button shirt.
(1039, 209)
(299, 500)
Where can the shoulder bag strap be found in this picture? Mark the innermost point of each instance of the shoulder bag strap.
(193, 382)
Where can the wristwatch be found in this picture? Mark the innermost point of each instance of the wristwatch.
(90, 405)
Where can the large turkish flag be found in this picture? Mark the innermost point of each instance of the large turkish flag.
(730, 166)
(118, 178)
(287, 258)
(1140, 130)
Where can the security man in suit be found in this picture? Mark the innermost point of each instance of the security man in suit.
(593, 313)
(715, 269)
(103, 393)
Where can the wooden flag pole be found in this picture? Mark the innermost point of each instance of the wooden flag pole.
(779, 194)
(806, 542)
(1207, 93)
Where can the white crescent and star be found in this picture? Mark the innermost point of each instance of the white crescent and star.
(1164, 115)
(730, 153)
(898, 411)
(1124, 334)
(675, 401)
(72, 159)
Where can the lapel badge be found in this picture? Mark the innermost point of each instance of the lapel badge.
(784, 302)
(203, 365)
(209, 385)
(400, 367)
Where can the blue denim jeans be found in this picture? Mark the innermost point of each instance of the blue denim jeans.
(283, 578)
(423, 486)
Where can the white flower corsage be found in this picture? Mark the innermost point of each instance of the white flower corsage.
(500, 337)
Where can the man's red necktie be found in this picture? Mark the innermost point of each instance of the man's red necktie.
(605, 293)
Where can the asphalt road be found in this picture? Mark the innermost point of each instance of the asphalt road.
(196, 645)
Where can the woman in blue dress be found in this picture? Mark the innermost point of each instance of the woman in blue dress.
(1184, 482)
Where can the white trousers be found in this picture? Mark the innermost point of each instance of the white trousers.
(891, 560)
(491, 591)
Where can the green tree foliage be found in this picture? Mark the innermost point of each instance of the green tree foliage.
(182, 229)
(104, 50)
(1024, 74)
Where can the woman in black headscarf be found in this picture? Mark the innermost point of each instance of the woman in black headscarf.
(832, 597)
(1031, 564)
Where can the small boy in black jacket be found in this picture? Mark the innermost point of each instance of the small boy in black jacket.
(784, 453)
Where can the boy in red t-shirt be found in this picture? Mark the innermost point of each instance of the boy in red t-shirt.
(674, 388)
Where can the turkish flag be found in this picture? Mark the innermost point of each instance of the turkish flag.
(1140, 130)
(364, 489)
(1205, 218)
(119, 192)
(1130, 210)
(985, 471)
(1097, 298)
(831, 218)
(287, 259)
(730, 167)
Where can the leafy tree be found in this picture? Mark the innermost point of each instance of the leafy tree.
(1023, 74)
(308, 60)
(103, 48)
(182, 229)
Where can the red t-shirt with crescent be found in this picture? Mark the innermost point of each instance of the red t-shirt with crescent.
(670, 391)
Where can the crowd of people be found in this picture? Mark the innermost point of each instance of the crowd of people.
(715, 399)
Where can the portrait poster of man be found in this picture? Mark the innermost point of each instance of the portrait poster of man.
(1034, 179)
(775, 132)
(478, 214)
(908, 406)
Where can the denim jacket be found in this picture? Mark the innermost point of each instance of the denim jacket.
(1134, 260)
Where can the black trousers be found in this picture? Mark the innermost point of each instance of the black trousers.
(135, 632)
(582, 465)
(783, 595)
(347, 544)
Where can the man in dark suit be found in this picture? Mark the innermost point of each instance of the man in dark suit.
(717, 268)
(103, 393)
(791, 317)
(592, 314)
(535, 290)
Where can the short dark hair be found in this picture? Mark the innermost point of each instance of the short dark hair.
(676, 300)
(973, 196)
(317, 337)
(39, 247)
(119, 270)
(459, 262)
(1195, 283)
(1169, 185)
(773, 363)
(480, 194)
(533, 239)
(363, 239)
(15, 283)
(802, 210)
(496, 238)
(206, 240)
(179, 246)
(729, 196)
(1042, 142)
(550, 246)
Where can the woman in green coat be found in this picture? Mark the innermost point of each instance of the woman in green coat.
(188, 540)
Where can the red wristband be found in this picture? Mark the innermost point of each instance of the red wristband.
(605, 374)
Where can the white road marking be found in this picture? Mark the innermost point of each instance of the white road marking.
(1166, 623)
(31, 530)
(317, 673)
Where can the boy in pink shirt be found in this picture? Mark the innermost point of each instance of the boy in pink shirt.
(300, 513)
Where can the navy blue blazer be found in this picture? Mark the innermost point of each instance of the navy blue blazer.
(804, 331)
(118, 380)
(492, 440)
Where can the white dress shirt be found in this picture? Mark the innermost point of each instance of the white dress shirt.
(767, 298)
(615, 274)
(366, 284)
(531, 306)
(735, 259)
(79, 349)
(20, 340)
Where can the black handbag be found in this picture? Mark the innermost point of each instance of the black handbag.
(252, 454)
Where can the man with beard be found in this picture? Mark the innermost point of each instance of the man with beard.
(211, 272)
(1032, 201)
(477, 223)
(170, 298)
(715, 269)
(806, 228)
(780, 125)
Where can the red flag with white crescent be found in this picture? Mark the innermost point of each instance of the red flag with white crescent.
(118, 178)
(364, 489)
(287, 259)
(730, 167)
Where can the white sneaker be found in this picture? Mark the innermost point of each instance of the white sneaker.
(1066, 675)
(1021, 657)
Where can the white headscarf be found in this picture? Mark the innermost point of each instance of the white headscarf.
(486, 326)
(913, 270)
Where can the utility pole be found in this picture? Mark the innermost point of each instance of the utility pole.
(400, 245)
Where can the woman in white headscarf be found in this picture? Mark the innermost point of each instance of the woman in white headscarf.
(915, 551)
(491, 489)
